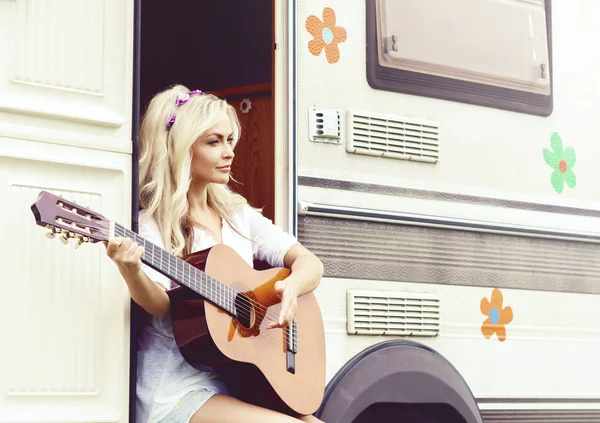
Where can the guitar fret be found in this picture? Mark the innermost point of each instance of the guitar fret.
(189, 278)
(169, 262)
(199, 278)
(199, 287)
(229, 301)
(181, 266)
(151, 254)
(221, 295)
(205, 285)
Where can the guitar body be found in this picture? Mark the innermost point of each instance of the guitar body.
(251, 358)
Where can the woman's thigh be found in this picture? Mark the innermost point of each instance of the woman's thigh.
(225, 409)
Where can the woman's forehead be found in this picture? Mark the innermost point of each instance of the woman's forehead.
(221, 127)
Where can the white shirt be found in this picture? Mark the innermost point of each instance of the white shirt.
(163, 376)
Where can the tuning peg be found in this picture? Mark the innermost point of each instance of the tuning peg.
(53, 231)
(81, 239)
(66, 235)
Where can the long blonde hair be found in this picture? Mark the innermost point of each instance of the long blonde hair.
(165, 171)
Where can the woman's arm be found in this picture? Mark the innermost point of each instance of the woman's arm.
(307, 269)
(306, 273)
(149, 295)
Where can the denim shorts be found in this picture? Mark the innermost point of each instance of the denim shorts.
(188, 405)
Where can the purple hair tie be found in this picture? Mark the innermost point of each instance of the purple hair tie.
(180, 100)
(170, 121)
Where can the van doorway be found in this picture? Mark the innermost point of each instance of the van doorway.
(225, 48)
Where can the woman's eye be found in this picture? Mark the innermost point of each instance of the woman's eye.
(214, 142)
(230, 140)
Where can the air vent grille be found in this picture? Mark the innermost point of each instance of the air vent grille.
(393, 313)
(394, 137)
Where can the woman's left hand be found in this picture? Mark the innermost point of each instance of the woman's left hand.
(287, 291)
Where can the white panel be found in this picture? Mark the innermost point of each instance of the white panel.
(65, 126)
(551, 343)
(63, 294)
(64, 310)
(68, 60)
(324, 125)
(46, 51)
(450, 38)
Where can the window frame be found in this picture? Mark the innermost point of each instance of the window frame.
(446, 88)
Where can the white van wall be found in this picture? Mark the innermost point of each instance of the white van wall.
(491, 172)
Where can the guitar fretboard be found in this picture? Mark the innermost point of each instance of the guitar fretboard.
(183, 273)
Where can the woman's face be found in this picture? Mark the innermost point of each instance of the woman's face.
(212, 153)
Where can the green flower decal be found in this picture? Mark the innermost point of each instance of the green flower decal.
(562, 161)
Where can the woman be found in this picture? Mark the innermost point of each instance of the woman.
(186, 150)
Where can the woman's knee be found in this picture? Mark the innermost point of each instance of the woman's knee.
(225, 409)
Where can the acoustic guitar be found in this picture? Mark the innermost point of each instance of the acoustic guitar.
(219, 311)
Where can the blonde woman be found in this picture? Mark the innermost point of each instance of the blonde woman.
(186, 150)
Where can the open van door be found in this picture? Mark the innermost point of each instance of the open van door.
(65, 126)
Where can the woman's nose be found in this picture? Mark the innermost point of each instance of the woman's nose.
(229, 151)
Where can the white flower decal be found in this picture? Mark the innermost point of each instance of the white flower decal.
(245, 105)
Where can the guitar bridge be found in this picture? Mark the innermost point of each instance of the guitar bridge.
(291, 334)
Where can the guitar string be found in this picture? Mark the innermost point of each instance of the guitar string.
(158, 252)
(213, 289)
(209, 278)
(245, 311)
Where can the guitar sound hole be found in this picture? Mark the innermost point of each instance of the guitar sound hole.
(244, 310)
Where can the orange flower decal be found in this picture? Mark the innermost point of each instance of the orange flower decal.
(326, 35)
(498, 317)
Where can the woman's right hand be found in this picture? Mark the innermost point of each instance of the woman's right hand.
(126, 254)
(148, 294)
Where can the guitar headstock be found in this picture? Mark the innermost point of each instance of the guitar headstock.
(68, 219)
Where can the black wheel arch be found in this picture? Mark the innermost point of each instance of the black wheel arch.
(396, 371)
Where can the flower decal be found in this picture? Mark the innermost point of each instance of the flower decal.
(245, 105)
(498, 317)
(326, 35)
(562, 161)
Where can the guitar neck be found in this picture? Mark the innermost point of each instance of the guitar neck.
(182, 273)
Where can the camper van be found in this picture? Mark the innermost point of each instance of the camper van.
(438, 156)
